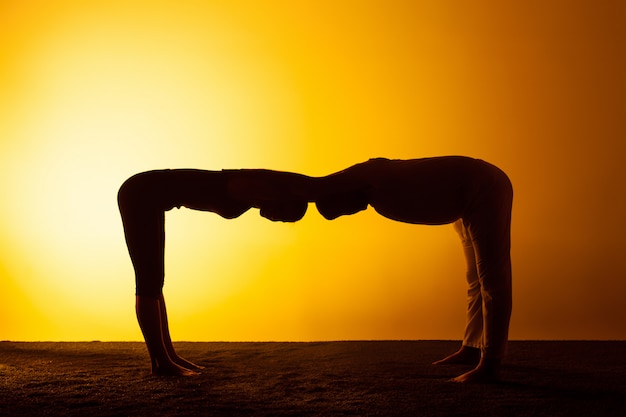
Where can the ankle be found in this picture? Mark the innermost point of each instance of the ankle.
(489, 365)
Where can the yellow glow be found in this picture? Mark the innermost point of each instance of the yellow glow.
(93, 92)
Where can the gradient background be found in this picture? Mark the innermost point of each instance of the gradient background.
(92, 92)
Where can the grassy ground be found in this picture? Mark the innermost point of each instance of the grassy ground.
(328, 378)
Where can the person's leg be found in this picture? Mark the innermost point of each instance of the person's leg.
(496, 316)
(141, 207)
(151, 323)
(489, 228)
(167, 340)
(469, 352)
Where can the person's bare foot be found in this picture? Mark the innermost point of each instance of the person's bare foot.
(487, 371)
(187, 364)
(464, 356)
(172, 369)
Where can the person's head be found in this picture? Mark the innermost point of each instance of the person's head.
(335, 205)
(283, 210)
(271, 192)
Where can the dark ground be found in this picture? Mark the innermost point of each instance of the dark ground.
(384, 378)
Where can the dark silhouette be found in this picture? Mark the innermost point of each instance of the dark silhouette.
(143, 200)
(473, 194)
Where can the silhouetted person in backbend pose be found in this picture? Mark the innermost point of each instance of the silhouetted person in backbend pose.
(143, 200)
(473, 194)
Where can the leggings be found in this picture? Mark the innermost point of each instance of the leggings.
(143, 200)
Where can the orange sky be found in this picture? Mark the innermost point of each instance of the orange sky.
(93, 92)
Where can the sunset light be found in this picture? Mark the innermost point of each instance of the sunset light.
(94, 92)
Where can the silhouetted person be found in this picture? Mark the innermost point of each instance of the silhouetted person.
(143, 200)
(473, 194)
